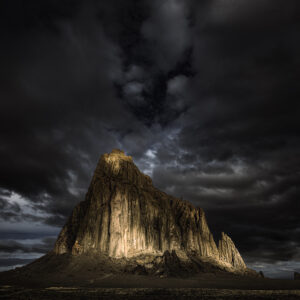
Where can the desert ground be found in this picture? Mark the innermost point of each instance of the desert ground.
(144, 293)
(111, 286)
(89, 277)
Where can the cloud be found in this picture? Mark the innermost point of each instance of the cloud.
(9, 246)
(133, 92)
(167, 29)
(15, 253)
(280, 270)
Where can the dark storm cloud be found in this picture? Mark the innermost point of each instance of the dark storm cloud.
(10, 246)
(168, 30)
(203, 94)
(16, 253)
(59, 102)
(247, 110)
(5, 205)
(243, 123)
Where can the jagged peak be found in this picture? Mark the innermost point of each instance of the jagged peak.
(117, 154)
(119, 166)
(225, 240)
(229, 253)
(117, 151)
(224, 236)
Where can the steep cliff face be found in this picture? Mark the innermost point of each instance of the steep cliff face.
(125, 216)
(229, 253)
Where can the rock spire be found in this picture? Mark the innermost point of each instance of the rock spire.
(124, 216)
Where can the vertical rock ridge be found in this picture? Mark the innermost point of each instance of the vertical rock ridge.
(229, 253)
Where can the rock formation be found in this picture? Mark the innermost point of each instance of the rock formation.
(125, 216)
(229, 253)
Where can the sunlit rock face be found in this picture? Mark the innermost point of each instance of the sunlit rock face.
(229, 253)
(124, 215)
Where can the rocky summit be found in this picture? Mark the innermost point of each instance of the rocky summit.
(125, 218)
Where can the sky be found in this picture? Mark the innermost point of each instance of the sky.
(203, 94)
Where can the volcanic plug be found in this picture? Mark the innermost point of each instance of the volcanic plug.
(125, 216)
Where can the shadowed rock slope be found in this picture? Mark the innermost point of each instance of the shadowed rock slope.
(124, 217)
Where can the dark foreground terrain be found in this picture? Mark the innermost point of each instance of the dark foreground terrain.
(89, 277)
(7, 292)
(110, 286)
